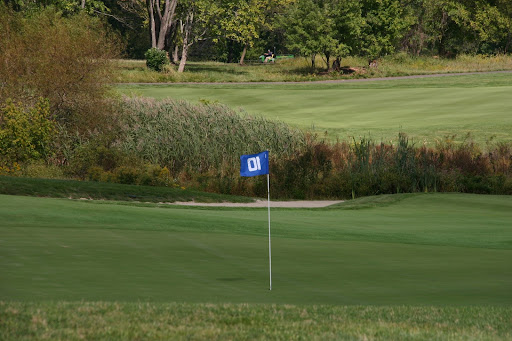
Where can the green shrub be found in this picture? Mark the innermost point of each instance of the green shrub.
(25, 134)
(147, 175)
(126, 175)
(156, 59)
(64, 59)
(42, 169)
(10, 169)
(95, 173)
(95, 153)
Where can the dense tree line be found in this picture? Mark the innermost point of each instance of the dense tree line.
(226, 29)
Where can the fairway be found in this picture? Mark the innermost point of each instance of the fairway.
(419, 249)
(428, 109)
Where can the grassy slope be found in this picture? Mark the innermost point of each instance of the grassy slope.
(427, 109)
(417, 250)
(106, 191)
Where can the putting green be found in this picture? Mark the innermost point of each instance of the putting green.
(426, 109)
(438, 249)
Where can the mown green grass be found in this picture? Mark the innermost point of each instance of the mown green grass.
(422, 266)
(422, 250)
(73, 189)
(430, 110)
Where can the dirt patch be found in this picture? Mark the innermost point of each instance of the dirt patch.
(264, 203)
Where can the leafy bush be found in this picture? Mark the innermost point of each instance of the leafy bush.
(97, 154)
(25, 134)
(126, 175)
(156, 59)
(148, 175)
(41, 169)
(63, 59)
(10, 169)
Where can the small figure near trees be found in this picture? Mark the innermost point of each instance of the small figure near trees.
(336, 65)
(269, 56)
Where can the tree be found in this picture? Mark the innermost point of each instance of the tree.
(385, 24)
(307, 29)
(434, 25)
(243, 21)
(196, 20)
(348, 23)
(130, 19)
(327, 27)
(493, 23)
(161, 19)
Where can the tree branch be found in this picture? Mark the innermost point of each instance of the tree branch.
(116, 18)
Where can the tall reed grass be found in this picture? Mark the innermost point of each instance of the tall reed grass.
(200, 137)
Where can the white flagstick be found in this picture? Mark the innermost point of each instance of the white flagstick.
(269, 245)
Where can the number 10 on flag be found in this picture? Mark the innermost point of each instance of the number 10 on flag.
(254, 164)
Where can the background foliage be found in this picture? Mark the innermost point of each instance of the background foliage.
(230, 30)
(62, 59)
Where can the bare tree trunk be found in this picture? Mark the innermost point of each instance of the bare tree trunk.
(242, 58)
(509, 41)
(442, 41)
(185, 30)
(313, 56)
(83, 4)
(151, 11)
(183, 60)
(165, 25)
(175, 58)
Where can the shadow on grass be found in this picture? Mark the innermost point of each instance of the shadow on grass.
(382, 200)
(232, 279)
(216, 70)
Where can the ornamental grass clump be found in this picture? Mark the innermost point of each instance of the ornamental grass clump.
(200, 137)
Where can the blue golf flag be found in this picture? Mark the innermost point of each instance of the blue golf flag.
(254, 164)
